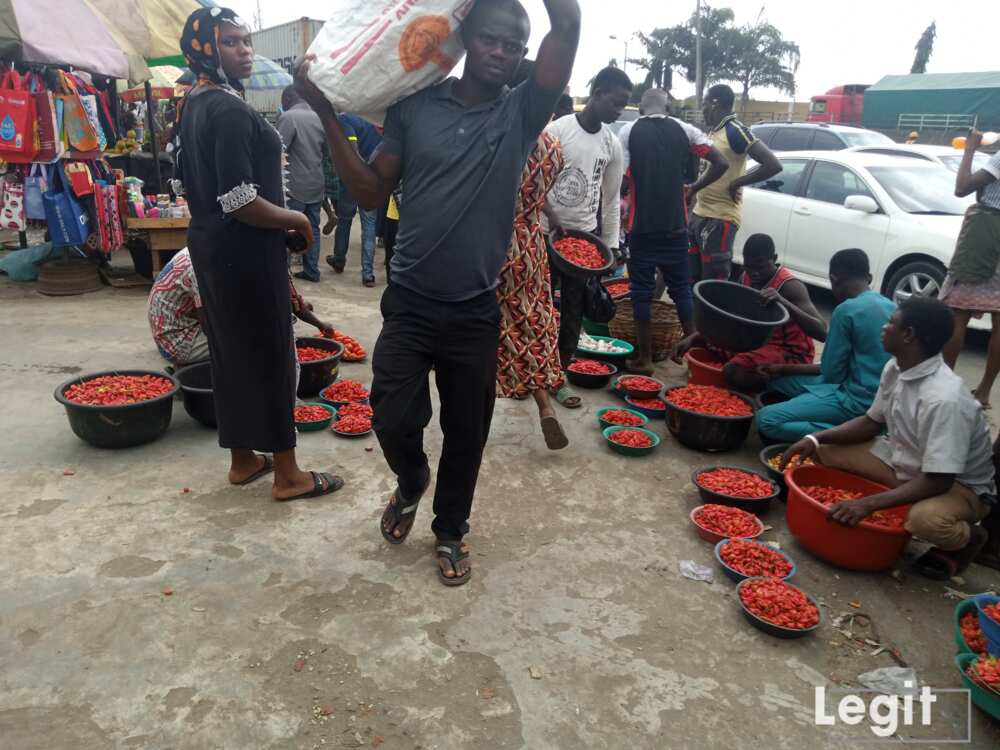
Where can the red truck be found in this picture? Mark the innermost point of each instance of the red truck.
(842, 104)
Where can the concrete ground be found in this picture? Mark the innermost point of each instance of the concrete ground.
(145, 603)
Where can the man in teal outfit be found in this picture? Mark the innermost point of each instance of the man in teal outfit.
(844, 384)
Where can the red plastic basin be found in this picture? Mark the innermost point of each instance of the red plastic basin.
(704, 369)
(862, 547)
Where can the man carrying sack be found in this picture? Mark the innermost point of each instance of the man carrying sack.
(460, 147)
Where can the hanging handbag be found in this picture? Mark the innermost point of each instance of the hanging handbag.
(79, 130)
(89, 102)
(81, 179)
(18, 124)
(35, 185)
(68, 221)
(12, 215)
(50, 146)
(598, 304)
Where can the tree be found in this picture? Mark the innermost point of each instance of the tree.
(924, 49)
(759, 56)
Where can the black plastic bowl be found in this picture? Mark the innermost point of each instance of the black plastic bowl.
(770, 452)
(119, 426)
(573, 269)
(770, 628)
(704, 432)
(753, 505)
(731, 317)
(317, 375)
(196, 390)
(584, 380)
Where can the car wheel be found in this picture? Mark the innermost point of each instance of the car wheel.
(917, 279)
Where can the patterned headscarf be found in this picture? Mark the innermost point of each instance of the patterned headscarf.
(200, 44)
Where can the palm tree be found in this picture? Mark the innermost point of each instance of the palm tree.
(759, 56)
(924, 48)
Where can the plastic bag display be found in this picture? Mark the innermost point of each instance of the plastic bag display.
(371, 55)
(12, 216)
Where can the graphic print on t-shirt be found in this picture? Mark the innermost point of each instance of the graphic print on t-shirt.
(574, 189)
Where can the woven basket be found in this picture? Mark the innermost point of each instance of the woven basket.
(667, 330)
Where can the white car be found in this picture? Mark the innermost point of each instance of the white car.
(946, 156)
(902, 212)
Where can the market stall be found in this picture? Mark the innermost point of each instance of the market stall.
(168, 234)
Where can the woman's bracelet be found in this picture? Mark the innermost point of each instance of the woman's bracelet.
(814, 439)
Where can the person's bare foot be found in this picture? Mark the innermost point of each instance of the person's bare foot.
(639, 366)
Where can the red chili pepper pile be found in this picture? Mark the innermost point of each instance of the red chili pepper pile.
(579, 252)
(353, 351)
(710, 400)
(752, 559)
(311, 413)
(650, 403)
(618, 289)
(639, 383)
(833, 495)
(345, 390)
(632, 439)
(735, 483)
(312, 353)
(622, 417)
(974, 637)
(117, 390)
(590, 367)
(985, 671)
(728, 522)
(779, 603)
(355, 410)
(993, 612)
(353, 424)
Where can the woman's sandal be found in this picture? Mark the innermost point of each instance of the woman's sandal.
(555, 436)
(567, 398)
(331, 481)
(936, 565)
(397, 515)
(452, 552)
(266, 468)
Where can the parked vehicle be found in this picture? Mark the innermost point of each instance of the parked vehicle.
(946, 156)
(815, 136)
(842, 104)
(902, 212)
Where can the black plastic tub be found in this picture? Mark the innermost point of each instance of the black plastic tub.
(751, 504)
(704, 432)
(119, 426)
(731, 315)
(317, 375)
(584, 380)
(196, 390)
(572, 268)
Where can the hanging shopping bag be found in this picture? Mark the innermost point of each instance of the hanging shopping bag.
(35, 185)
(12, 215)
(68, 221)
(50, 146)
(89, 102)
(81, 179)
(18, 125)
(111, 199)
(79, 130)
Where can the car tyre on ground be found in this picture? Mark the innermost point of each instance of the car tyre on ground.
(922, 278)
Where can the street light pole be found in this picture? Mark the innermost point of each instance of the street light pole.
(697, 53)
(625, 60)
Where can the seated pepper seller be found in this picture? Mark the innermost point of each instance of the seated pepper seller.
(843, 385)
(791, 343)
(176, 318)
(935, 454)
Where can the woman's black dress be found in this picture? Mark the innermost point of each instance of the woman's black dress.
(230, 156)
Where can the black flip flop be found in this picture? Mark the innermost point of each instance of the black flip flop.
(398, 514)
(264, 470)
(333, 483)
(936, 565)
(555, 436)
(452, 552)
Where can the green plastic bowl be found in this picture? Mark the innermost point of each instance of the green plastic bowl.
(606, 409)
(607, 356)
(985, 699)
(965, 606)
(321, 424)
(626, 450)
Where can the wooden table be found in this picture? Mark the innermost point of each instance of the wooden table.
(160, 234)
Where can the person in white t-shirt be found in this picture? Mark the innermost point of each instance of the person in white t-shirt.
(585, 196)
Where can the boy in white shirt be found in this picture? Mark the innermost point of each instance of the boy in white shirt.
(586, 194)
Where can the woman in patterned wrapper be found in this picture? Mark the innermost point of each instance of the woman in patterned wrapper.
(528, 354)
(231, 164)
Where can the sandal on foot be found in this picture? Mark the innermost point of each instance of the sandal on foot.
(939, 565)
(266, 468)
(452, 552)
(332, 484)
(396, 513)
(555, 436)
(567, 398)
